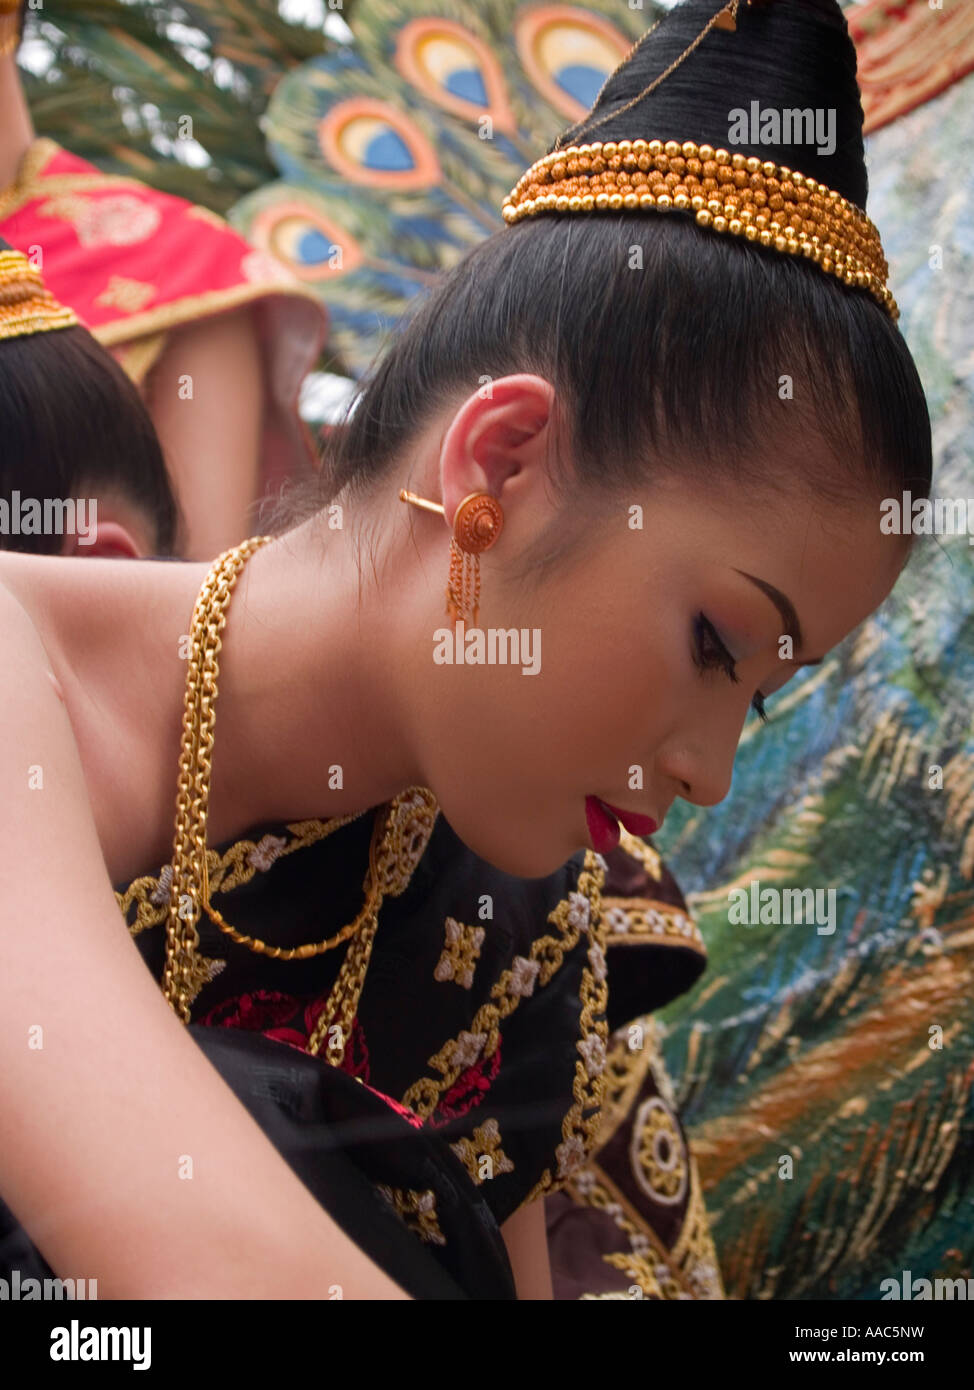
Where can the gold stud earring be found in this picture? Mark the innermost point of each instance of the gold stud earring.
(478, 522)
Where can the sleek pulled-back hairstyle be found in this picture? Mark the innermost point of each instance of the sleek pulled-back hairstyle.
(666, 341)
(73, 424)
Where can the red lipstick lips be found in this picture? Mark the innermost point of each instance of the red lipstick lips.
(603, 823)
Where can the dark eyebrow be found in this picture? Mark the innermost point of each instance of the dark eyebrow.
(784, 605)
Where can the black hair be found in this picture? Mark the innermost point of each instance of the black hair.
(679, 362)
(72, 424)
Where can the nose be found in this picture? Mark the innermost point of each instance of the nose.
(701, 766)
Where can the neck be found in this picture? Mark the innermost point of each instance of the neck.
(308, 723)
(16, 127)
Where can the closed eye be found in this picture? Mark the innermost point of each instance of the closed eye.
(710, 654)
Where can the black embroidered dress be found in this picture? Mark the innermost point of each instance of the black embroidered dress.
(472, 1079)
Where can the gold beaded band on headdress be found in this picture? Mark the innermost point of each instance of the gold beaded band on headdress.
(26, 306)
(761, 201)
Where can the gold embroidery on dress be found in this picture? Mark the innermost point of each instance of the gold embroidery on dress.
(485, 1145)
(631, 920)
(581, 912)
(690, 1268)
(644, 854)
(226, 871)
(126, 294)
(120, 219)
(460, 954)
(577, 913)
(657, 1154)
(417, 1209)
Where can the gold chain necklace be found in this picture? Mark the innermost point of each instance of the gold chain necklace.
(399, 835)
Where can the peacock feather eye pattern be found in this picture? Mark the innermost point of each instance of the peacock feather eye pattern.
(568, 54)
(396, 149)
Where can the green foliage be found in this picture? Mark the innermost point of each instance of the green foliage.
(122, 77)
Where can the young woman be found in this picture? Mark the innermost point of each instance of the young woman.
(664, 445)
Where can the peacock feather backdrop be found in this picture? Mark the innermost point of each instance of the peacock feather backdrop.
(825, 1078)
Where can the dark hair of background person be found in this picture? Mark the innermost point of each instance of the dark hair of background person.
(674, 368)
(72, 424)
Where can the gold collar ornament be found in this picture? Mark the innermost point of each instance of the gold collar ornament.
(26, 305)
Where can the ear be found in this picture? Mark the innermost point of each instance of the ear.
(107, 539)
(495, 435)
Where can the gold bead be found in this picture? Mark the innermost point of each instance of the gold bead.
(696, 202)
(681, 201)
(703, 217)
(615, 200)
(738, 162)
(764, 238)
(735, 226)
(631, 200)
(751, 233)
(720, 224)
(753, 164)
(767, 169)
(671, 148)
(705, 152)
(655, 147)
(664, 202)
(689, 149)
(722, 156)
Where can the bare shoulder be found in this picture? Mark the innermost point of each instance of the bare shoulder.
(33, 717)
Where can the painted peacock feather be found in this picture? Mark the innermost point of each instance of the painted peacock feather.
(396, 151)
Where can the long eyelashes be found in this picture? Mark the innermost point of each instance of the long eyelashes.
(710, 654)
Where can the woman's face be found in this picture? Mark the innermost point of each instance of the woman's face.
(650, 646)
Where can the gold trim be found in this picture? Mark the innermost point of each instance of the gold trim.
(423, 1096)
(224, 872)
(580, 1127)
(139, 357)
(637, 848)
(679, 928)
(191, 308)
(165, 316)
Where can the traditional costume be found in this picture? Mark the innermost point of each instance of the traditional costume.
(474, 1046)
(136, 265)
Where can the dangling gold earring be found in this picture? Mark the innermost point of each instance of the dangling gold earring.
(478, 522)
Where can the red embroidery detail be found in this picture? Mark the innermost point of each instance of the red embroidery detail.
(469, 1089)
(260, 1011)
